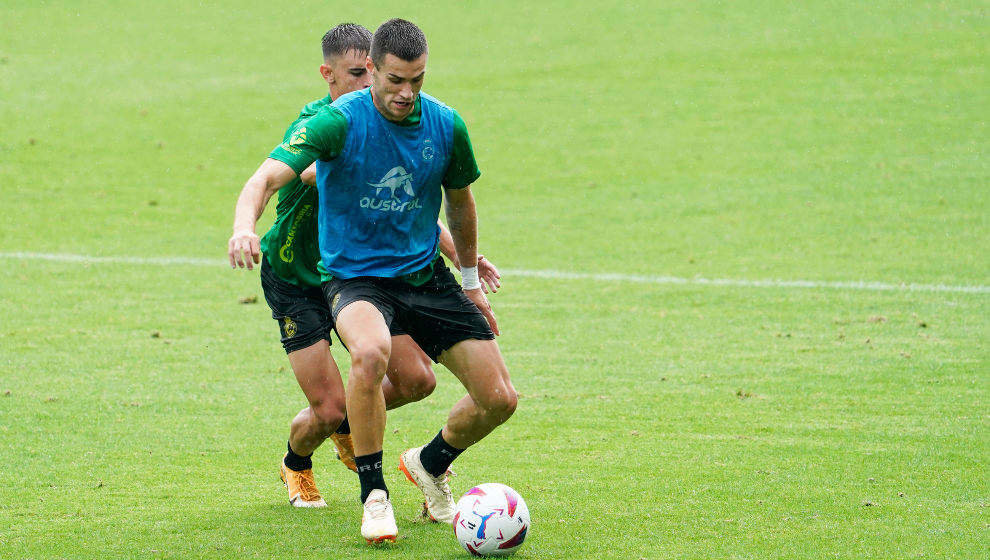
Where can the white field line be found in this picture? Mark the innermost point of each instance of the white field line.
(87, 259)
(700, 281)
(555, 275)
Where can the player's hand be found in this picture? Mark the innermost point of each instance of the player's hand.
(245, 243)
(479, 299)
(489, 275)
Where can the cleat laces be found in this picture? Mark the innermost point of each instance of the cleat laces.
(441, 484)
(377, 509)
(307, 487)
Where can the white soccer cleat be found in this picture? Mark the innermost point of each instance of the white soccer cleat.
(378, 522)
(439, 503)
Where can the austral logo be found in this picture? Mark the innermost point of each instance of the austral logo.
(393, 184)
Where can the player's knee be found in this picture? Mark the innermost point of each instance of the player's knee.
(368, 363)
(329, 414)
(509, 403)
(420, 386)
(501, 404)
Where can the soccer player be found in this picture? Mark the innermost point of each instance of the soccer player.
(385, 157)
(291, 285)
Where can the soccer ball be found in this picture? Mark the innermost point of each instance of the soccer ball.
(491, 520)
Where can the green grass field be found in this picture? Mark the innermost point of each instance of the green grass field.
(143, 409)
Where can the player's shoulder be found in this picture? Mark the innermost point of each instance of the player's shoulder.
(313, 107)
(325, 117)
(350, 99)
(426, 98)
(305, 114)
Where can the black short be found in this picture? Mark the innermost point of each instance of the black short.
(302, 313)
(437, 314)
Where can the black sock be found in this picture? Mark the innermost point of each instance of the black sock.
(344, 427)
(438, 455)
(298, 462)
(369, 469)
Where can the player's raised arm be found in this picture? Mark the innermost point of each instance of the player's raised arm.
(244, 248)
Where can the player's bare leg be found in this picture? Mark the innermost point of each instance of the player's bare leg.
(490, 401)
(363, 330)
(491, 398)
(409, 376)
(319, 379)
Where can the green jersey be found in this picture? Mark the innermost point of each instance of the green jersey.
(291, 245)
(323, 137)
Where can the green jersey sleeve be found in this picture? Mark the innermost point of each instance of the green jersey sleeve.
(320, 137)
(463, 169)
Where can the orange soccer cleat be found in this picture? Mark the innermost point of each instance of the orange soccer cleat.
(301, 487)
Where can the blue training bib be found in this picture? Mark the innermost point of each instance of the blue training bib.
(380, 199)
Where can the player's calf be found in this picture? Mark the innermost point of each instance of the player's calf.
(314, 424)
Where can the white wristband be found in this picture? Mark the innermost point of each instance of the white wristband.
(469, 278)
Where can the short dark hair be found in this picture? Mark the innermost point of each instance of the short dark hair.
(399, 37)
(346, 37)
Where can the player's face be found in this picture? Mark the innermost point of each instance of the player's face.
(395, 85)
(346, 73)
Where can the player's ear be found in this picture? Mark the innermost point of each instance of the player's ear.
(327, 73)
(369, 64)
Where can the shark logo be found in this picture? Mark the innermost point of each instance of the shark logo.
(394, 179)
